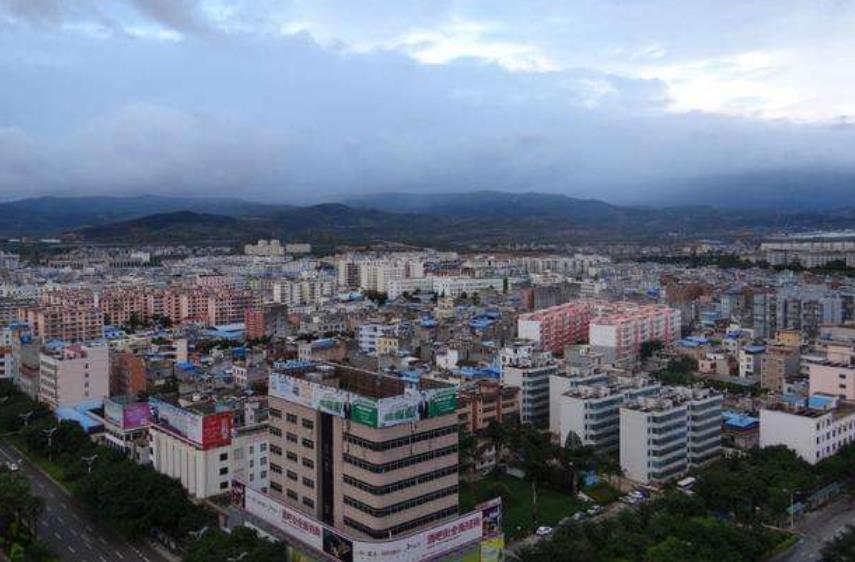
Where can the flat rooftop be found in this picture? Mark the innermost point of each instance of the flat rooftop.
(358, 381)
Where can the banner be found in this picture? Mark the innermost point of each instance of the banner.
(431, 543)
(332, 401)
(363, 410)
(399, 409)
(207, 431)
(441, 401)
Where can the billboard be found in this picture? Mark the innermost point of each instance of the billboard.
(473, 527)
(216, 430)
(411, 406)
(207, 431)
(126, 416)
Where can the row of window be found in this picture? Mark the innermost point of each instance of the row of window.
(401, 441)
(403, 527)
(400, 506)
(401, 484)
(401, 463)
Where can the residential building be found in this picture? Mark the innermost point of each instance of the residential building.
(814, 429)
(72, 373)
(529, 369)
(663, 436)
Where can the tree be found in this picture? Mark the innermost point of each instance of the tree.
(841, 548)
(648, 348)
(217, 546)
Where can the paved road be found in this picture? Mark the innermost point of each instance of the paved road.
(818, 528)
(66, 528)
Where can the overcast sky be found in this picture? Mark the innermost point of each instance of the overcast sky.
(306, 99)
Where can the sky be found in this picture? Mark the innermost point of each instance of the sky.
(307, 100)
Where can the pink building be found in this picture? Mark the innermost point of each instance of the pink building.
(65, 323)
(557, 326)
(615, 328)
(832, 378)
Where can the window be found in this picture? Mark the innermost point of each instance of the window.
(276, 487)
(308, 443)
(274, 413)
(263, 461)
(262, 447)
(291, 437)
(308, 424)
(224, 485)
(308, 502)
(308, 482)
(224, 456)
(273, 430)
(291, 474)
(275, 468)
(276, 450)
(292, 494)
(308, 463)
(291, 418)
(224, 470)
(291, 456)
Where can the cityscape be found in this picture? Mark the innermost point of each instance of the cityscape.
(428, 281)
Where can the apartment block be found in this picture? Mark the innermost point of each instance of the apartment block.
(663, 436)
(590, 413)
(71, 373)
(363, 452)
(65, 323)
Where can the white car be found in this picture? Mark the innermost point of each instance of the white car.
(543, 531)
(12, 467)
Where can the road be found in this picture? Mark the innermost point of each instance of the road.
(818, 528)
(67, 529)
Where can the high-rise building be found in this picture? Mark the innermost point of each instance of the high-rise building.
(363, 452)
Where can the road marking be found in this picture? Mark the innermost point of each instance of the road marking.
(119, 554)
(63, 505)
(102, 559)
(59, 518)
(59, 538)
(70, 548)
(102, 540)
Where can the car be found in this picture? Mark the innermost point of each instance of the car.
(578, 516)
(543, 531)
(12, 467)
(596, 510)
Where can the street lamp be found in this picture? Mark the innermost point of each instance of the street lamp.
(198, 534)
(26, 417)
(793, 508)
(49, 434)
(89, 462)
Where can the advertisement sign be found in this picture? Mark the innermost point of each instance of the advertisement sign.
(441, 401)
(492, 549)
(399, 409)
(431, 543)
(216, 430)
(293, 523)
(363, 410)
(332, 401)
(212, 430)
(292, 389)
(135, 415)
(411, 406)
(113, 412)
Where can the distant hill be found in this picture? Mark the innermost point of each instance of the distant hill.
(40, 216)
(435, 219)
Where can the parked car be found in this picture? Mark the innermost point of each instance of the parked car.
(12, 467)
(543, 531)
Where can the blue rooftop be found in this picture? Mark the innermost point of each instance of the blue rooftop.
(739, 421)
(65, 413)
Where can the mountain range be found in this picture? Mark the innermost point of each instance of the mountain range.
(439, 219)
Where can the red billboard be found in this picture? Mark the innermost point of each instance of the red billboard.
(216, 430)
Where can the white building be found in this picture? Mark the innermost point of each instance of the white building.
(591, 411)
(530, 372)
(663, 436)
(814, 431)
(69, 374)
(367, 336)
(265, 248)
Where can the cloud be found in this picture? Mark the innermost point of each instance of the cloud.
(302, 100)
